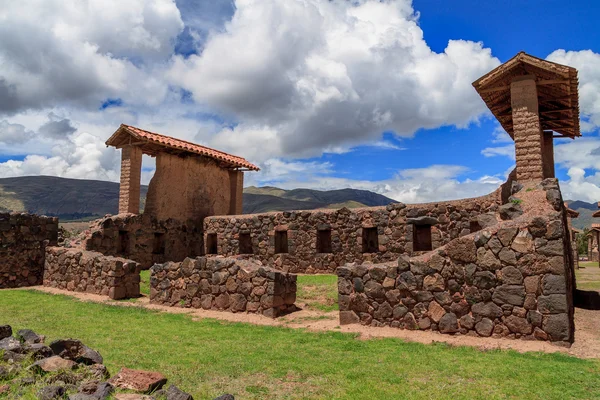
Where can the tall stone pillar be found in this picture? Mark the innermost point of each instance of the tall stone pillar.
(548, 155)
(528, 135)
(236, 190)
(131, 170)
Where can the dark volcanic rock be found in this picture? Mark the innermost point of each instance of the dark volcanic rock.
(51, 392)
(73, 349)
(5, 331)
(28, 336)
(174, 393)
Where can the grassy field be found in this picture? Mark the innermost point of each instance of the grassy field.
(318, 292)
(208, 358)
(588, 276)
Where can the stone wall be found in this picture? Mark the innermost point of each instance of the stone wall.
(86, 271)
(144, 239)
(23, 239)
(513, 279)
(217, 283)
(293, 241)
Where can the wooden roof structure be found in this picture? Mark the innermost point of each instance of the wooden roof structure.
(153, 143)
(557, 87)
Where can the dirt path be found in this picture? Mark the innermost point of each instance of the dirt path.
(587, 323)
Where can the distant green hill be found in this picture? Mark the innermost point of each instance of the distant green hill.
(77, 199)
(585, 211)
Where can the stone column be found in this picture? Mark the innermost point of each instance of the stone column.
(131, 170)
(548, 155)
(529, 142)
(236, 190)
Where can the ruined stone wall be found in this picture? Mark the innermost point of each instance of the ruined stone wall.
(513, 279)
(229, 284)
(23, 239)
(392, 226)
(189, 188)
(86, 271)
(144, 239)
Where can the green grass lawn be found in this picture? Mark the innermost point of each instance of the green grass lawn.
(319, 292)
(145, 282)
(208, 358)
(588, 276)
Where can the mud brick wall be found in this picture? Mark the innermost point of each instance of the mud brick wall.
(229, 284)
(23, 239)
(144, 239)
(394, 232)
(514, 279)
(91, 272)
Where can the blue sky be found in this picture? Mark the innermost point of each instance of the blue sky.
(366, 94)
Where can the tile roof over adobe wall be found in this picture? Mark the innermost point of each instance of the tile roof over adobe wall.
(152, 143)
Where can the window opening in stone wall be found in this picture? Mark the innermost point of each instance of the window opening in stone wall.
(123, 244)
(324, 241)
(422, 238)
(370, 241)
(211, 243)
(245, 243)
(159, 243)
(281, 242)
(474, 226)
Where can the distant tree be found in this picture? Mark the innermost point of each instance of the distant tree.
(582, 242)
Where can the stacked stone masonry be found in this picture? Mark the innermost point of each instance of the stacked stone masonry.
(513, 279)
(90, 272)
(144, 239)
(23, 239)
(131, 169)
(374, 234)
(230, 284)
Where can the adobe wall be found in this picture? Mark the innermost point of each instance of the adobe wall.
(394, 224)
(229, 284)
(91, 272)
(514, 279)
(144, 239)
(190, 188)
(23, 239)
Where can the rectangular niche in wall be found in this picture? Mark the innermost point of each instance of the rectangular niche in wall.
(211, 243)
(245, 243)
(281, 242)
(474, 226)
(324, 241)
(159, 243)
(370, 241)
(123, 243)
(422, 238)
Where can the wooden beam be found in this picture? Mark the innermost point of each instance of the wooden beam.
(494, 89)
(557, 120)
(557, 98)
(555, 111)
(552, 81)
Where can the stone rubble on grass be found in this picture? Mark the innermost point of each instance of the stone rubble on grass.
(74, 350)
(5, 331)
(140, 381)
(68, 367)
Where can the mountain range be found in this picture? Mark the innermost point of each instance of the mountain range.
(81, 199)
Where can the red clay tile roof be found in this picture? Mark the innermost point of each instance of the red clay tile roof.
(170, 142)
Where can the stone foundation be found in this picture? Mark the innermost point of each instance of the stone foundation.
(144, 239)
(319, 241)
(228, 284)
(86, 271)
(23, 239)
(514, 279)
